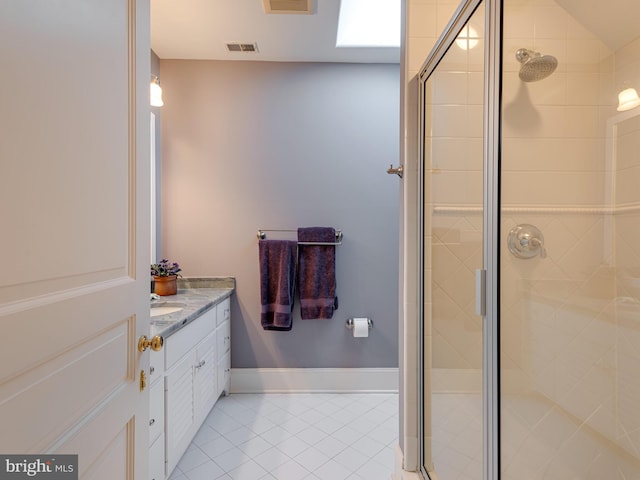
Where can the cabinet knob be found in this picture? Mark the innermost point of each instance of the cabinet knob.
(152, 421)
(155, 343)
(151, 370)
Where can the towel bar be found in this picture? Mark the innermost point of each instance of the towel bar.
(262, 235)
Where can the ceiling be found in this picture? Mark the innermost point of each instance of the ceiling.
(615, 22)
(200, 29)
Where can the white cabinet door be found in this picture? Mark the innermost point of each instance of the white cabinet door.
(205, 393)
(180, 408)
(74, 196)
(156, 411)
(224, 374)
(223, 333)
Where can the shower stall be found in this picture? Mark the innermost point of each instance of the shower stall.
(530, 223)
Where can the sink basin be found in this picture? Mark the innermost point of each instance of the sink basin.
(156, 312)
(165, 308)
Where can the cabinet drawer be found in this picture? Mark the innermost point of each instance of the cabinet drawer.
(223, 334)
(223, 311)
(183, 341)
(156, 460)
(156, 411)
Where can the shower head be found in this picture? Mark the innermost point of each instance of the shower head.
(534, 66)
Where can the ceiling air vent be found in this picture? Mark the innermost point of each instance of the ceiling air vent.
(242, 47)
(288, 6)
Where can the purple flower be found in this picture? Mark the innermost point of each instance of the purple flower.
(165, 269)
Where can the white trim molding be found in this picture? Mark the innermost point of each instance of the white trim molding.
(398, 471)
(314, 380)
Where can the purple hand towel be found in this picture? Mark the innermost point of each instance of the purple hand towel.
(277, 283)
(317, 273)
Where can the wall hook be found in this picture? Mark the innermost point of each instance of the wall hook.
(398, 171)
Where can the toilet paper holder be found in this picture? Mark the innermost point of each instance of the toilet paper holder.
(349, 323)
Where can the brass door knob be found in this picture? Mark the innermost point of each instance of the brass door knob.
(155, 343)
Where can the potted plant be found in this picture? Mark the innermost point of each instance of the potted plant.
(165, 276)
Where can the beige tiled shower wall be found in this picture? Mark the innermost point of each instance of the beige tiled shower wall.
(453, 199)
(626, 431)
(554, 175)
(567, 344)
(570, 334)
(453, 241)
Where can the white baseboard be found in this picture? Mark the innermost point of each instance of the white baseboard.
(314, 380)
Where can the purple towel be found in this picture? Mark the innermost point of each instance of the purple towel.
(277, 283)
(317, 273)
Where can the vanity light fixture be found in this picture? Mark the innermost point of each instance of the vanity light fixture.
(628, 99)
(155, 92)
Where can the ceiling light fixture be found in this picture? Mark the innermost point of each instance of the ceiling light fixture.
(369, 23)
(628, 99)
(155, 92)
(468, 38)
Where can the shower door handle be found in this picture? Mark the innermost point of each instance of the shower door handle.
(481, 292)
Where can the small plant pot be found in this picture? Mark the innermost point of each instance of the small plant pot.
(165, 285)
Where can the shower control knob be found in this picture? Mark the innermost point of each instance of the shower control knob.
(526, 241)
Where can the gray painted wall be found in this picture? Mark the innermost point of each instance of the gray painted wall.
(249, 145)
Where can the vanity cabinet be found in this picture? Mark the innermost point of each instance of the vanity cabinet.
(180, 412)
(156, 416)
(223, 334)
(192, 357)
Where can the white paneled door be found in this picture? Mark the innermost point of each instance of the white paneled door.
(74, 223)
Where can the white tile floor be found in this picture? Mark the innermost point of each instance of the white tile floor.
(295, 437)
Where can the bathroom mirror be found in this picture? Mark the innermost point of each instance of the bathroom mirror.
(622, 172)
(623, 140)
(152, 176)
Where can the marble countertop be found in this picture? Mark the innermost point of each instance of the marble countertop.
(195, 296)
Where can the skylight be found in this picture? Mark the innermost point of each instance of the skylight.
(369, 23)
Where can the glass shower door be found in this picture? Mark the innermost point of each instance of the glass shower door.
(570, 243)
(452, 112)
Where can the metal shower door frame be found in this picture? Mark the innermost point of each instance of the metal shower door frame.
(491, 220)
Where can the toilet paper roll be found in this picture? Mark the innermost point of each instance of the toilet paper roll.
(360, 327)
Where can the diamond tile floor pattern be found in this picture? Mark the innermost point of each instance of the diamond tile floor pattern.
(295, 437)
